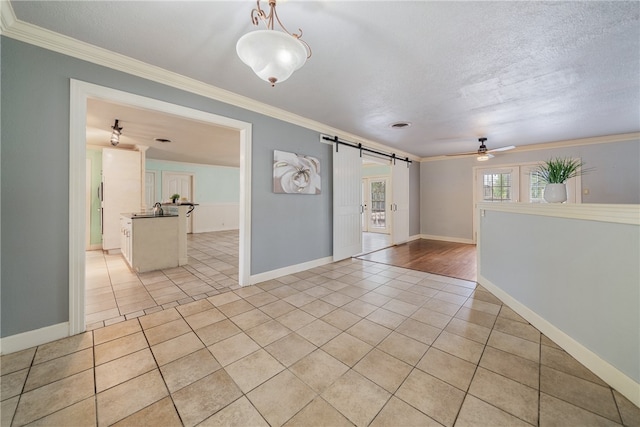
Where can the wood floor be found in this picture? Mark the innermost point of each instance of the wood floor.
(432, 256)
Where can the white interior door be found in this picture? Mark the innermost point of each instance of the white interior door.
(347, 204)
(400, 203)
(178, 183)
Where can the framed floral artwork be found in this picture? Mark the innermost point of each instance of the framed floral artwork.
(295, 174)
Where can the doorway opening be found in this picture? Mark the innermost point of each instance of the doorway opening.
(376, 203)
(81, 92)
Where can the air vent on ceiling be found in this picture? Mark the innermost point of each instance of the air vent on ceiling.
(399, 125)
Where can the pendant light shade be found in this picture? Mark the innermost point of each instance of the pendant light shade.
(272, 55)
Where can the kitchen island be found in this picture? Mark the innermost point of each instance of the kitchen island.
(150, 242)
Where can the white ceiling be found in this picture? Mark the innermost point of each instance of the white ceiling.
(191, 141)
(518, 73)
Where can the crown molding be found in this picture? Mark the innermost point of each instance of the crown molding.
(7, 16)
(606, 139)
(22, 31)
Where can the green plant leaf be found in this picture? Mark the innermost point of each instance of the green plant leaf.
(558, 170)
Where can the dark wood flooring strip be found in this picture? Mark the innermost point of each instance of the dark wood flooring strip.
(432, 256)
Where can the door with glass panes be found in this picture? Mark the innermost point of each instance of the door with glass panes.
(495, 185)
(375, 204)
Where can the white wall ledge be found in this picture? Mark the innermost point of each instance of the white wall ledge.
(619, 214)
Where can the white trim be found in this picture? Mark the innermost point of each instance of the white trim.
(79, 93)
(607, 139)
(447, 239)
(77, 154)
(284, 271)
(607, 372)
(37, 36)
(619, 214)
(199, 165)
(33, 338)
(7, 16)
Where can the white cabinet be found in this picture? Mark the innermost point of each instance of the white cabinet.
(149, 243)
(122, 191)
(126, 230)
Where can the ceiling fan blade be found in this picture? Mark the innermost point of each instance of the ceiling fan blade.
(509, 147)
(464, 154)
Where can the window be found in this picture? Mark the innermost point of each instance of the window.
(497, 187)
(515, 183)
(536, 187)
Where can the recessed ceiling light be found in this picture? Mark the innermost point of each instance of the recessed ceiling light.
(399, 125)
(163, 140)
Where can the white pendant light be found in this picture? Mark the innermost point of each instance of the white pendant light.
(273, 55)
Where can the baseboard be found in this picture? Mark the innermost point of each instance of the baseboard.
(94, 247)
(603, 369)
(213, 229)
(33, 338)
(447, 239)
(274, 274)
(414, 237)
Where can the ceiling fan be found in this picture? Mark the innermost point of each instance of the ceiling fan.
(483, 152)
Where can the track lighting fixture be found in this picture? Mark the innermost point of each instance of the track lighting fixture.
(115, 135)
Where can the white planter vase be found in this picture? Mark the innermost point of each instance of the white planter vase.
(555, 193)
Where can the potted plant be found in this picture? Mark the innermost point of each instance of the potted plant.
(555, 172)
(174, 198)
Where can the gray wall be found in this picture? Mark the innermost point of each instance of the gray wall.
(286, 229)
(446, 186)
(562, 270)
(34, 168)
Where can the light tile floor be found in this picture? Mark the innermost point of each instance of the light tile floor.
(115, 293)
(350, 343)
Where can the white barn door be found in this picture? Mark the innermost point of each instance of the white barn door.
(400, 203)
(347, 206)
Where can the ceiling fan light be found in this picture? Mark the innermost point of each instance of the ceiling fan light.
(271, 54)
(484, 157)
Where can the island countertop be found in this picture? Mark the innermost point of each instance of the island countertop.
(136, 215)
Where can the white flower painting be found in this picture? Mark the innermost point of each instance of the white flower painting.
(295, 174)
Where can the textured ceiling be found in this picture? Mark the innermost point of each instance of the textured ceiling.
(516, 72)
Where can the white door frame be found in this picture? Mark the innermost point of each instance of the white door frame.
(80, 92)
